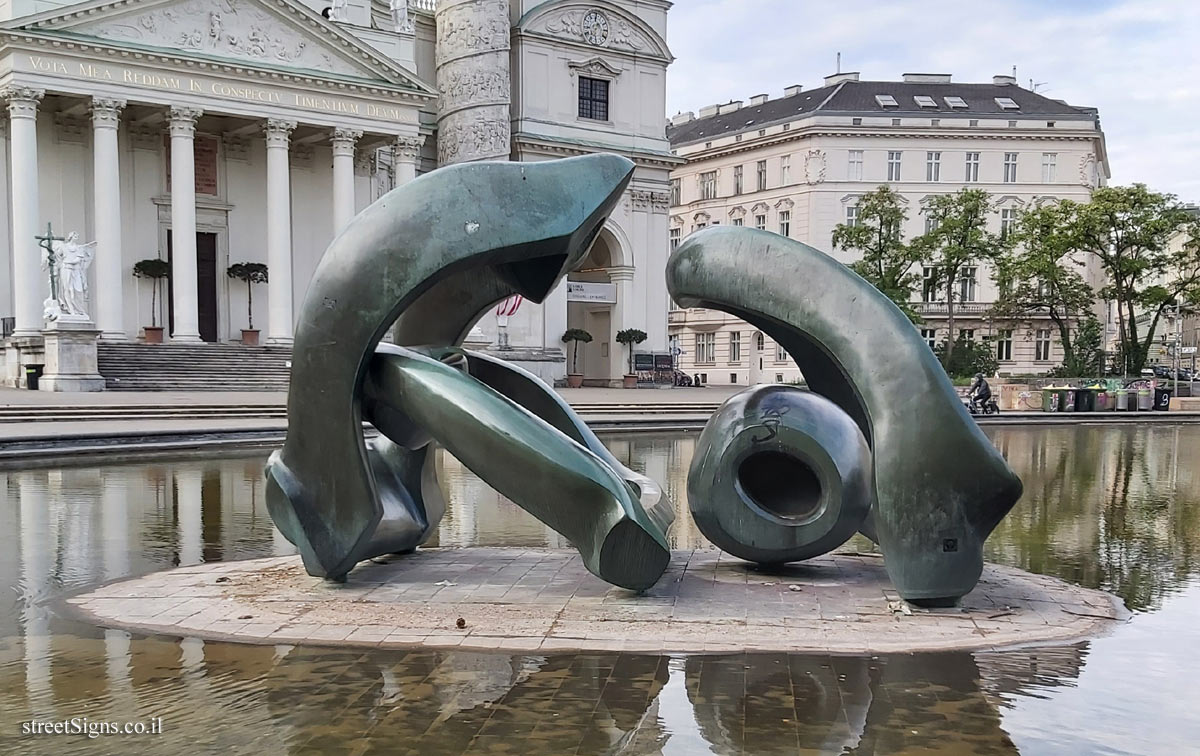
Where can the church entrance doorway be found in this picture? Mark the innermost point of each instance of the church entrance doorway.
(206, 286)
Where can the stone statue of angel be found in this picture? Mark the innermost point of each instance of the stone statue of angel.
(337, 11)
(400, 20)
(69, 263)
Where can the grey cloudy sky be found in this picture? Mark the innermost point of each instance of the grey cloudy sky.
(1138, 61)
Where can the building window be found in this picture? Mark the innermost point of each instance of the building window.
(760, 222)
(781, 354)
(762, 132)
(855, 168)
(1012, 124)
(676, 192)
(895, 121)
(973, 122)
(930, 336)
(893, 166)
(706, 348)
(735, 346)
(957, 103)
(737, 222)
(1041, 346)
(972, 167)
(1049, 124)
(708, 185)
(856, 122)
(737, 179)
(967, 334)
(933, 166)
(737, 138)
(785, 170)
(787, 127)
(1010, 167)
(966, 284)
(1004, 339)
(762, 175)
(1008, 221)
(733, 377)
(931, 223)
(935, 122)
(929, 287)
(593, 98)
(852, 215)
(785, 222)
(708, 145)
(676, 234)
(1049, 166)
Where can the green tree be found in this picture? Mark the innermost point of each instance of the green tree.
(885, 261)
(573, 336)
(1039, 275)
(966, 358)
(249, 273)
(631, 337)
(958, 237)
(1129, 229)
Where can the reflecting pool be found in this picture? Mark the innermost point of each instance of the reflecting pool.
(1114, 507)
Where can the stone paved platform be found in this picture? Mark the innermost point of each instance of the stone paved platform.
(525, 600)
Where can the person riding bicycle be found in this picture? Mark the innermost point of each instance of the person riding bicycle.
(980, 392)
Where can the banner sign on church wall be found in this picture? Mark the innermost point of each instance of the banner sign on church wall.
(600, 293)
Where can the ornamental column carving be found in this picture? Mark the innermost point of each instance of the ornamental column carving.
(344, 204)
(185, 304)
(406, 155)
(28, 289)
(106, 196)
(472, 55)
(279, 231)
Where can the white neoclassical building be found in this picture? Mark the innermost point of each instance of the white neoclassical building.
(798, 164)
(211, 132)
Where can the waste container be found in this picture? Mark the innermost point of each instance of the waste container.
(32, 374)
(1162, 399)
(1049, 400)
(1104, 401)
(1145, 399)
(1067, 402)
(1085, 400)
(1122, 401)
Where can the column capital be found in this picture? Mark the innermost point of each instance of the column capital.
(23, 101)
(278, 132)
(409, 147)
(621, 273)
(344, 140)
(106, 112)
(183, 121)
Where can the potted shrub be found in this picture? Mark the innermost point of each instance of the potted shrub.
(156, 270)
(631, 337)
(250, 273)
(576, 335)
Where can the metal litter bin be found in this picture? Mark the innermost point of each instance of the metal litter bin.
(1145, 400)
(1162, 399)
(1121, 404)
(33, 374)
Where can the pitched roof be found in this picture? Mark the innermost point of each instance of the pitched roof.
(859, 98)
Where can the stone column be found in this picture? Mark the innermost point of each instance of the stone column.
(472, 56)
(407, 154)
(28, 288)
(279, 231)
(184, 285)
(106, 197)
(343, 177)
(623, 316)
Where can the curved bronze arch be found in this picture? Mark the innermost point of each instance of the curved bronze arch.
(430, 257)
(940, 485)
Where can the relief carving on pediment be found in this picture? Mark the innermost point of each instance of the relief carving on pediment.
(623, 35)
(223, 28)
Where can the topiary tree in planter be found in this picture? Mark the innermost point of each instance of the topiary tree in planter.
(155, 270)
(630, 337)
(574, 336)
(250, 273)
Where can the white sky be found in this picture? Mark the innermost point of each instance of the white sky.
(1138, 61)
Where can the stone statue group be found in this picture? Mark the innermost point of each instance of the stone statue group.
(66, 262)
(879, 445)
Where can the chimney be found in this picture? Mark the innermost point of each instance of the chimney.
(730, 107)
(709, 110)
(838, 78)
(681, 118)
(927, 78)
(758, 99)
(792, 91)
(1001, 81)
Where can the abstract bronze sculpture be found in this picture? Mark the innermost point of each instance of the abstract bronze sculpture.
(939, 486)
(428, 259)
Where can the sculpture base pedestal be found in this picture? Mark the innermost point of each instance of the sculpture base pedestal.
(21, 352)
(71, 363)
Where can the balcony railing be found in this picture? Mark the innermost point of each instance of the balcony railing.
(962, 308)
(423, 6)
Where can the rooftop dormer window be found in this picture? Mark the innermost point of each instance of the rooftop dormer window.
(886, 101)
(1007, 103)
(956, 102)
(925, 101)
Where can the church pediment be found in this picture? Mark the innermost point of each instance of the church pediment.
(596, 24)
(274, 33)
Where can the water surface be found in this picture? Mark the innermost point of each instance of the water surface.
(1112, 507)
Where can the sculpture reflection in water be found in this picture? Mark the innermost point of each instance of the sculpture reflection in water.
(882, 445)
(427, 259)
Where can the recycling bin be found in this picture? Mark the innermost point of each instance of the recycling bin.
(1085, 400)
(1066, 403)
(1145, 399)
(1162, 399)
(1049, 400)
(1121, 403)
(33, 374)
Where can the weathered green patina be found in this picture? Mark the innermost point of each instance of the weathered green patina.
(940, 487)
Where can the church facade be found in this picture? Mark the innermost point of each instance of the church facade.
(206, 133)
